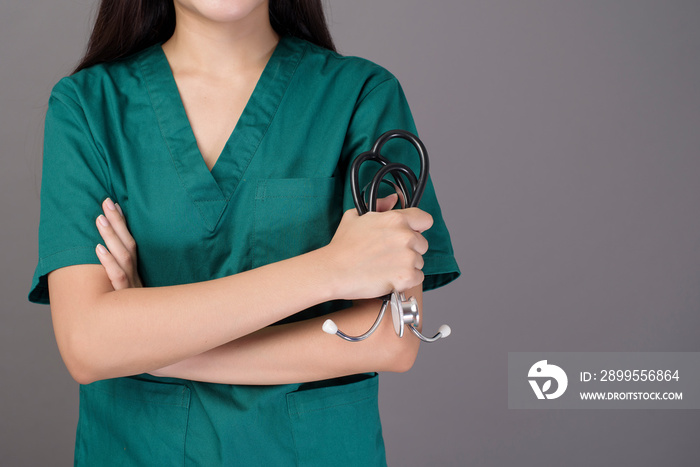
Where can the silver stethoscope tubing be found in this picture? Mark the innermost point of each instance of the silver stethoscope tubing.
(404, 311)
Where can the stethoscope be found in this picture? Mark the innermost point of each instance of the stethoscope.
(404, 311)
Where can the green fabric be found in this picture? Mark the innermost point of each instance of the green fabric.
(140, 421)
(278, 190)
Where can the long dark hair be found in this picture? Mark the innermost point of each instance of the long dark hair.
(124, 27)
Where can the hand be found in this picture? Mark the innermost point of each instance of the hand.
(373, 254)
(119, 258)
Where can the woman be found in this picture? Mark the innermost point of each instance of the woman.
(237, 230)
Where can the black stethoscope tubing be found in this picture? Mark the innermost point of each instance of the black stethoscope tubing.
(396, 169)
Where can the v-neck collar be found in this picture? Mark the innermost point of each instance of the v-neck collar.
(211, 190)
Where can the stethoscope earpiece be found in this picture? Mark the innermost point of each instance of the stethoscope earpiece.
(404, 312)
(444, 331)
(329, 327)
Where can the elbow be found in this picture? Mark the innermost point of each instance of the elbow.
(403, 354)
(403, 365)
(81, 373)
(81, 354)
(78, 304)
(79, 357)
(78, 365)
(405, 361)
(81, 376)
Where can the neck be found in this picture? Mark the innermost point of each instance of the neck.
(220, 47)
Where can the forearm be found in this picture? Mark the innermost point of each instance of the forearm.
(105, 330)
(301, 351)
(106, 333)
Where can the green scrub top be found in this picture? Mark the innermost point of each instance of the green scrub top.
(278, 190)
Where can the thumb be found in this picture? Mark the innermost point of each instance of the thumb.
(386, 204)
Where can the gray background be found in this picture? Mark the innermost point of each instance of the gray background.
(565, 146)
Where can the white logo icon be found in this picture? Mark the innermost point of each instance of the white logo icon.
(541, 370)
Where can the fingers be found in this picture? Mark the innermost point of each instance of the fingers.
(388, 203)
(418, 220)
(421, 244)
(420, 262)
(114, 215)
(115, 273)
(409, 280)
(385, 249)
(413, 264)
(114, 244)
(119, 256)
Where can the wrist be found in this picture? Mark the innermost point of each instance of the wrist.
(325, 265)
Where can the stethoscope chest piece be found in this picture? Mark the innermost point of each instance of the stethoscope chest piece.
(403, 312)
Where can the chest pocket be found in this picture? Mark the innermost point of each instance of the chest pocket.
(294, 216)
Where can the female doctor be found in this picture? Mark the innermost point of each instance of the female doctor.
(222, 132)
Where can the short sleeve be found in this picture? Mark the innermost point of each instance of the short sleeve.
(75, 181)
(381, 108)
